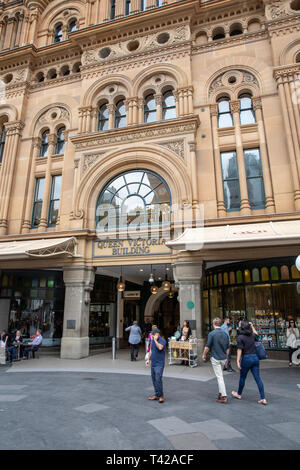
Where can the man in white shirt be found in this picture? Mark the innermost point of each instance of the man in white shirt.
(37, 341)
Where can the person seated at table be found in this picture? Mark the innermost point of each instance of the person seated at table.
(13, 349)
(185, 334)
(34, 345)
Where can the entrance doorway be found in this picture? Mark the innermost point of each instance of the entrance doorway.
(167, 316)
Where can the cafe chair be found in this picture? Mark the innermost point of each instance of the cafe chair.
(34, 354)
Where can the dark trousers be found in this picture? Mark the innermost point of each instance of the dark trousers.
(27, 349)
(12, 352)
(134, 351)
(251, 362)
(291, 352)
(156, 374)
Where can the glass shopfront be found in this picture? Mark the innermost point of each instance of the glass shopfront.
(265, 292)
(35, 299)
(103, 310)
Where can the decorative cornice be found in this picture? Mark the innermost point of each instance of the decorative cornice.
(133, 134)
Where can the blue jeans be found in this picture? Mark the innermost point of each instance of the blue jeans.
(156, 374)
(251, 362)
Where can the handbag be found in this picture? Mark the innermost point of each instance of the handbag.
(260, 350)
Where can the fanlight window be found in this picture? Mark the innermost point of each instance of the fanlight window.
(133, 199)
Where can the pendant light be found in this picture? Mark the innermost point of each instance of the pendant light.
(166, 285)
(121, 283)
(153, 288)
(151, 278)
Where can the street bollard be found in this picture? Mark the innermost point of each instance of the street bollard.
(113, 345)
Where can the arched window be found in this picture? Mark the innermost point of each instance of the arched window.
(72, 26)
(236, 29)
(58, 33)
(298, 58)
(150, 109)
(135, 198)
(112, 9)
(44, 144)
(60, 141)
(120, 115)
(168, 105)
(127, 7)
(103, 118)
(224, 113)
(2, 140)
(218, 33)
(247, 113)
(143, 5)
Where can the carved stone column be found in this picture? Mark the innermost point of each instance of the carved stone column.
(195, 196)
(190, 100)
(30, 193)
(120, 8)
(13, 133)
(221, 209)
(188, 275)
(135, 6)
(158, 101)
(47, 188)
(111, 115)
(245, 205)
(270, 203)
(140, 105)
(289, 140)
(79, 282)
(8, 33)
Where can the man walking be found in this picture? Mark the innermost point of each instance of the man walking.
(218, 345)
(157, 358)
(134, 339)
(227, 327)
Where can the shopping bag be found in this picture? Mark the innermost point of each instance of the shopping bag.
(260, 350)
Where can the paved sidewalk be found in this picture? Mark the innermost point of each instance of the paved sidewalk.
(97, 403)
(103, 362)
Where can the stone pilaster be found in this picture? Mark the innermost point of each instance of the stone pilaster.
(79, 282)
(188, 275)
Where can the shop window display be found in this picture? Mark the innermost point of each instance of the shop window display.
(268, 295)
(33, 307)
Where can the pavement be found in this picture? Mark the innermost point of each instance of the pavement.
(99, 403)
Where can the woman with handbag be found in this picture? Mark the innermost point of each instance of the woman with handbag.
(247, 359)
(292, 334)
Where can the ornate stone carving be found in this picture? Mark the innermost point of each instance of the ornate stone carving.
(52, 115)
(278, 9)
(132, 136)
(89, 160)
(176, 146)
(232, 79)
(77, 214)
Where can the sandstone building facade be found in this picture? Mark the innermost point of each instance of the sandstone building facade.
(158, 108)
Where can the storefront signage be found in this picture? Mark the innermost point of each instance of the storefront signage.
(132, 294)
(130, 247)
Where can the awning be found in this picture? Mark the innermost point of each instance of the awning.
(238, 236)
(44, 248)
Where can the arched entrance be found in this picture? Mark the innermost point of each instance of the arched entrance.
(162, 310)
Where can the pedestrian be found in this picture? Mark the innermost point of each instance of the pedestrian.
(157, 359)
(247, 359)
(148, 327)
(13, 349)
(134, 339)
(227, 327)
(218, 345)
(292, 334)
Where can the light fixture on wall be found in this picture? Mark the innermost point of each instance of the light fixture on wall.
(121, 283)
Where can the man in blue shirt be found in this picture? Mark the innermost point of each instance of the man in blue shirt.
(227, 327)
(157, 358)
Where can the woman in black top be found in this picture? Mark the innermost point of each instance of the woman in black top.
(247, 359)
